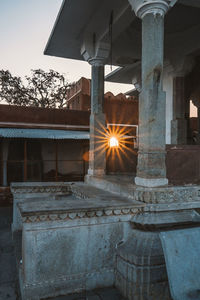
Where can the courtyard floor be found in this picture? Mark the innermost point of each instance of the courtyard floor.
(8, 272)
(98, 294)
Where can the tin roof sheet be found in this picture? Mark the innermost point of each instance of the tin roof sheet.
(43, 134)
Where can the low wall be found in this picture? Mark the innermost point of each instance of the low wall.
(69, 244)
(183, 164)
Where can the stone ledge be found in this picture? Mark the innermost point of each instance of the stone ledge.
(155, 195)
(40, 187)
(166, 220)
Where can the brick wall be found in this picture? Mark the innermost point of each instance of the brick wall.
(11, 113)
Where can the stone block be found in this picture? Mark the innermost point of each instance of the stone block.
(32, 191)
(70, 254)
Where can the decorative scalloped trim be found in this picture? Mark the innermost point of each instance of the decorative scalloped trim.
(83, 214)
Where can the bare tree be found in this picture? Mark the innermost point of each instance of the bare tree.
(42, 89)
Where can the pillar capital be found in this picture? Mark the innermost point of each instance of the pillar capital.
(144, 7)
(95, 54)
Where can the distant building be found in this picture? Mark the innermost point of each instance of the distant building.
(78, 96)
(40, 144)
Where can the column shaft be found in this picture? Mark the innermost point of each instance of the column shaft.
(198, 116)
(5, 145)
(97, 89)
(97, 158)
(179, 122)
(151, 170)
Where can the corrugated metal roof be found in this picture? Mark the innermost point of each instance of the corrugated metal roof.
(43, 134)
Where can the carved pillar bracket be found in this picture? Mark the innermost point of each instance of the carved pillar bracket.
(96, 55)
(151, 169)
(143, 7)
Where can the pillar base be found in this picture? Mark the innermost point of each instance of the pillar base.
(140, 263)
(148, 182)
(96, 172)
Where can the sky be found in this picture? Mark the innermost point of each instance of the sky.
(25, 26)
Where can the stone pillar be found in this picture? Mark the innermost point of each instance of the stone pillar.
(151, 169)
(5, 145)
(196, 102)
(179, 122)
(97, 157)
(96, 53)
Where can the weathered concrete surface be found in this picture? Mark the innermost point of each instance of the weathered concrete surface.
(140, 269)
(69, 243)
(8, 272)
(8, 276)
(181, 250)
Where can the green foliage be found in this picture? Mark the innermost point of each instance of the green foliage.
(42, 89)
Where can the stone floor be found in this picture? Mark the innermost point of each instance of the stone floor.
(98, 294)
(8, 274)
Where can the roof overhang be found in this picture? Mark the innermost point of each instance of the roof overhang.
(129, 74)
(79, 19)
(43, 134)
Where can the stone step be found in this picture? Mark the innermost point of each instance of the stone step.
(119, 185)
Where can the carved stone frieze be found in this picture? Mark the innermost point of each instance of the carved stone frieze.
(167, 194)
(81, 214)
(41, 189)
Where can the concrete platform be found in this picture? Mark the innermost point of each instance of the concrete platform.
(85, 226)
(9, 289)
(124, 186)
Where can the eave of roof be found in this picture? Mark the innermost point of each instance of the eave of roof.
(43, 134)
(77, 18)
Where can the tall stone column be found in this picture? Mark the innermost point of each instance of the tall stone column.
(97, 157)
(5, 145)
(196, 102)
(96, 56)
(179, 122)
(151, 169)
